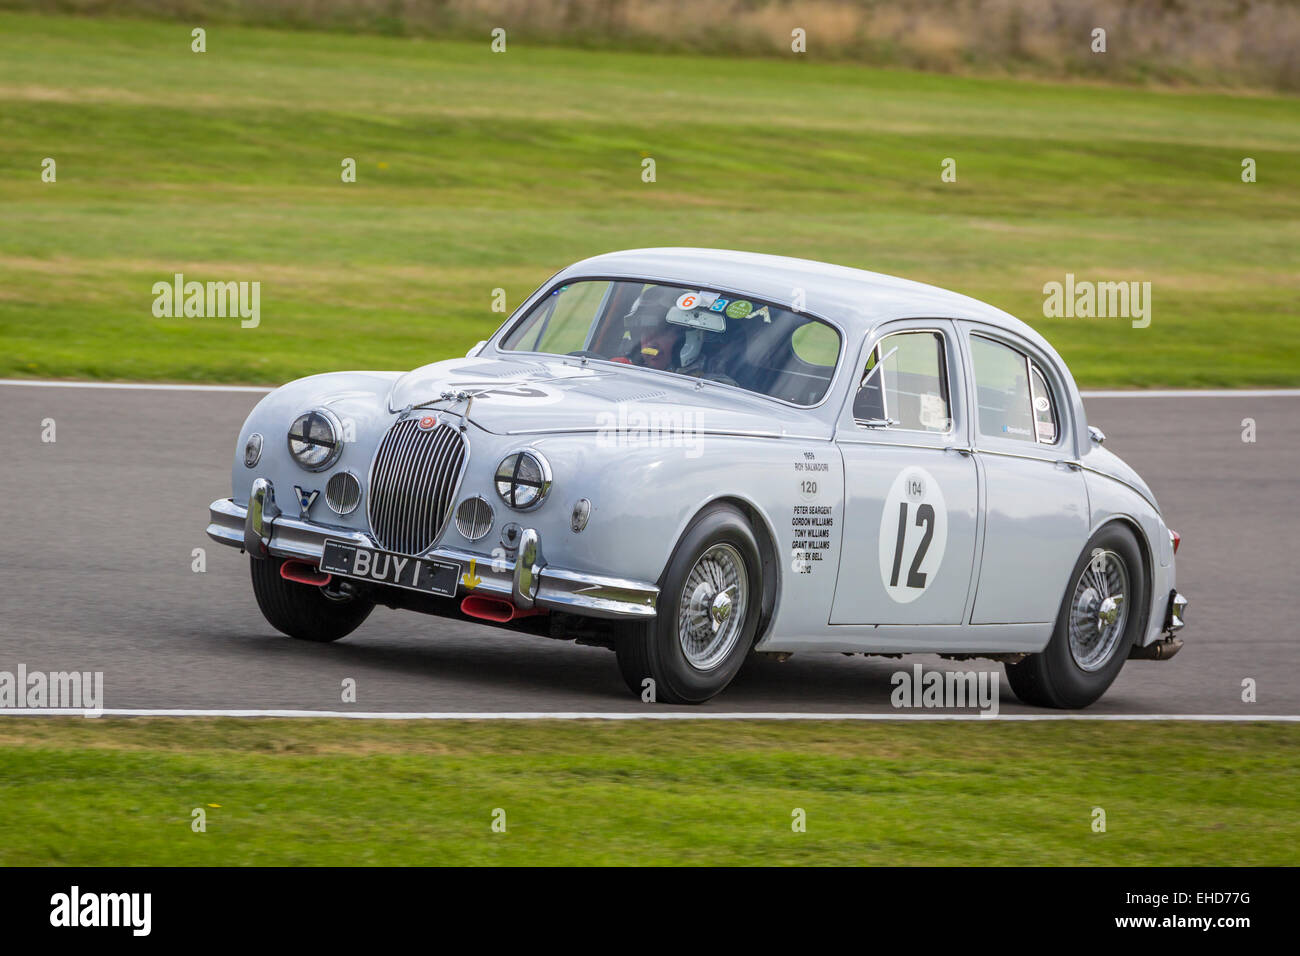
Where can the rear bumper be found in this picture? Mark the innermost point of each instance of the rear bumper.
(262, 530)
(1175, 612)
(1162, 650)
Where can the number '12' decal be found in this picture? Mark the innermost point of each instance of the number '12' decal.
(924, 516)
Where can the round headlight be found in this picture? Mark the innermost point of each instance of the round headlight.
(315, 439)
(523, 479)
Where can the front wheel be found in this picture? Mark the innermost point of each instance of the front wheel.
(708, 613)
(1101, 617)
(304, 611)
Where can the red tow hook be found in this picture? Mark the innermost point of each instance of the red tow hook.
(497, 610)
(304, 572)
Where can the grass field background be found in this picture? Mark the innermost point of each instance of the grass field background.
(479, 170)
(114, 791)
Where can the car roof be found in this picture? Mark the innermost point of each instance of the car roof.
(853, 298)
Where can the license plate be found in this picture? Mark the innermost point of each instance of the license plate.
(399, 570)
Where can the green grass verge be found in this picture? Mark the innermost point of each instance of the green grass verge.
(115, 791)
(479, 171)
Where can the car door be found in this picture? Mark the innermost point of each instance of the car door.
(910, 483)
(1036, 502)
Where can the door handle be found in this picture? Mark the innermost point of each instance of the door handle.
(1070, 465)
(964, 452)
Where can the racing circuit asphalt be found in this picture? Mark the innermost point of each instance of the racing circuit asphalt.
(99, 528)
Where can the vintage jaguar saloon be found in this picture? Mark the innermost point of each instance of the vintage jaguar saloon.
(689, 455)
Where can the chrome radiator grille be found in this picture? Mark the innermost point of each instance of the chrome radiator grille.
(412, 485)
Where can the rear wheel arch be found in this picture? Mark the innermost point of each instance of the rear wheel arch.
(1057, 676)
(1144, 549)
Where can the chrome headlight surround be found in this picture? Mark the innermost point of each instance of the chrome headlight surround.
(523, 479)
(315, 439)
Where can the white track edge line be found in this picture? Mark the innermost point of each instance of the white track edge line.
(622, 715)
(1192, 393)
(140, 386)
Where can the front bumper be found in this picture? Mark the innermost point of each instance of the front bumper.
(262, 530)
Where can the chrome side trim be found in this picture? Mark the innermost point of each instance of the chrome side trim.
(561, 589)
(711, 432)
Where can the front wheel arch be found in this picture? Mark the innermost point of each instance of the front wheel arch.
(654, 649)
(769, 554)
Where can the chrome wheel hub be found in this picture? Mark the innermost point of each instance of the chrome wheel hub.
(712, 609)
(1097, 610)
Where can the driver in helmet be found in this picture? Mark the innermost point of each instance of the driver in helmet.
(659, 343)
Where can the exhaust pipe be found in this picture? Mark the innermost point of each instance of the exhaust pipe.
(1159, 651)
(496, 610)
(302, 572)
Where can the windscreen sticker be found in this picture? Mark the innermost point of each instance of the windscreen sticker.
(913, 534)
(739, 309)
(718, 305)
(688, 300)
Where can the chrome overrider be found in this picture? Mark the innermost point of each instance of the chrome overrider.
(262, 529)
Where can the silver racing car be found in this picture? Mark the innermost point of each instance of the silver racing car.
(692, 455)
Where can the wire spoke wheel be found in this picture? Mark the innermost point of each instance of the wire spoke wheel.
(714, 602)
(1098, 610)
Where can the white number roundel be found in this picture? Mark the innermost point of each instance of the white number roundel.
(913, 534)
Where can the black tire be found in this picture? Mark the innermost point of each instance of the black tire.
(301, 610)
(1053, 678)
(653, 650)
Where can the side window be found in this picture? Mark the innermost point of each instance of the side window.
(905, 384)
(1012, 393)
(1045, 424)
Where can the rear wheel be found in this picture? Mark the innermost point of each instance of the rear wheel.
(708, 612)
(304, 611)
(1101, 616)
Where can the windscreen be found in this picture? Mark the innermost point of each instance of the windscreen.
(720, 337)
